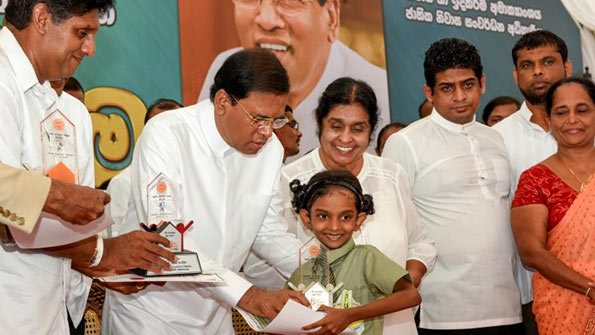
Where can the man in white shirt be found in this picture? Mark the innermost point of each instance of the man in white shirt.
(459, 176)
(43, 41)
(289, 135)
(540, 59)
(303, 36)
(119, 186)
(77, 113)
(225, 166)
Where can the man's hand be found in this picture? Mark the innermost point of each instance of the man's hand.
(268, 303)
(137, 249)
(75, 204)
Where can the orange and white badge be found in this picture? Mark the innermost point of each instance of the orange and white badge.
(58, 147)
(162, 200)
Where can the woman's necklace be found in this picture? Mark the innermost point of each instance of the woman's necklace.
(583, 183)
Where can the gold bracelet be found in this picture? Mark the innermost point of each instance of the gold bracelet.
(95, 252)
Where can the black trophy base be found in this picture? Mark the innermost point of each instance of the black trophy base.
(188, 264)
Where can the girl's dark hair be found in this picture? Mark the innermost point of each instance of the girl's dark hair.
(587, 85)
(347, 91)
(322, 183)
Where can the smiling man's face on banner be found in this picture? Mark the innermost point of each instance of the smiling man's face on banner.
(299, 32)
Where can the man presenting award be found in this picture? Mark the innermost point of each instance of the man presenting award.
(221, 156)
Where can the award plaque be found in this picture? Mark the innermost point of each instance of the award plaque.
(162, 200)
(163, 219)
(58, 147)
(314, 269)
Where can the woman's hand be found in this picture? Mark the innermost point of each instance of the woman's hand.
(335, 321)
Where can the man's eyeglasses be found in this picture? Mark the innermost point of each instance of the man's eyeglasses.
(284, 7)
(262, 122)
(293, 124)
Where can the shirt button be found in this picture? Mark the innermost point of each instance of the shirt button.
(21, 221)
(6, 213)
(13, 217)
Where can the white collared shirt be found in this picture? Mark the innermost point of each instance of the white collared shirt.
(33, 285)
(460, 183)
(234, 201)
(119, 189)
(526, 144)
(395, 228)
(77, 113)
(342, 62)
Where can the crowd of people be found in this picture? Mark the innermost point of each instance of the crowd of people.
(453, 227)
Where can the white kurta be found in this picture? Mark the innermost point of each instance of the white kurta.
(526, 144)
(234, 201)
(395, 228)
(33, 286)
(119, 189)
(342, 62)
(77, 113)
(460, 183)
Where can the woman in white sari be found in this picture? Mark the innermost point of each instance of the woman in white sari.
(347, 114)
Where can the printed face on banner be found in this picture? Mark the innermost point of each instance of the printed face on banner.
(300, 38)
(537, 69)
(456, 94)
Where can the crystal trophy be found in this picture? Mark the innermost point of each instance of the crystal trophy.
(315, 274)
(163, 219)
(58, 148)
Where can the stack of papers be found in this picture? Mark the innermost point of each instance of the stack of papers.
(202, 278)
(289, 321)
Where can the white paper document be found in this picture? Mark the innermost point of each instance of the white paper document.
(289, 321)
(51, 231)
(202, 278)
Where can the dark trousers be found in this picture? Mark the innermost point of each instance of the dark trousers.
(516, 329)
(529, 319)
(80, 330)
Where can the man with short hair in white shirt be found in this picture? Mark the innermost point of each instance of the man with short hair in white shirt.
(42, 41)
(459, 176)
(223, 159)
(540, 59)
